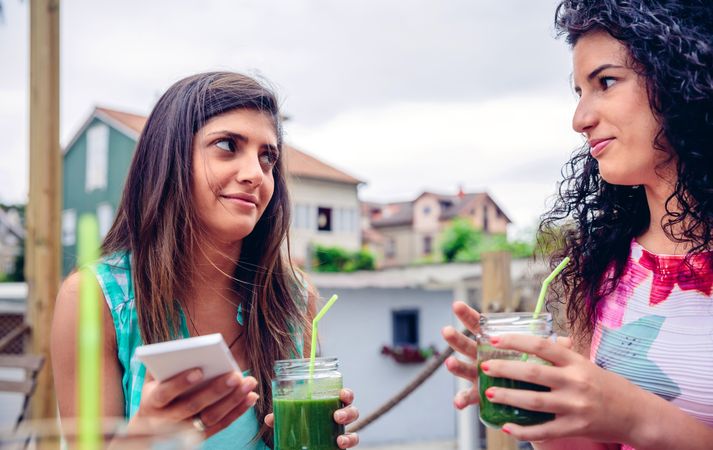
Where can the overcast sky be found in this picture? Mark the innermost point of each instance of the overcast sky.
(407, 95)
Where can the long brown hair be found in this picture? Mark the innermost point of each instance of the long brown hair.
(158, 225)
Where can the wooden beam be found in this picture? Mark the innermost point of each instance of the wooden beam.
(42, 242)
(497, 296)
(497, 283)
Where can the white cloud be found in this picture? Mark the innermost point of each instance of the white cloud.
(407, 95)
(513, 147)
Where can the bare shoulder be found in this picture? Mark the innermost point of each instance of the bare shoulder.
(65, 308)
(63, 348)
(66, 312)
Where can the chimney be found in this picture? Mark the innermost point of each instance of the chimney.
(461, 194)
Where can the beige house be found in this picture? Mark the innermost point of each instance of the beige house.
(403, 233)
(325, 205)
(324, 199)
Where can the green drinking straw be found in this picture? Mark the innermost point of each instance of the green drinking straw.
(313, 349)
(543, 291)
(89, 338)
(546, 284)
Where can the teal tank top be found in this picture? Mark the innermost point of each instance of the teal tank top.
(114, 275)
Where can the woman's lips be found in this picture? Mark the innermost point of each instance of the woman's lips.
(241, 201)
(597, 147)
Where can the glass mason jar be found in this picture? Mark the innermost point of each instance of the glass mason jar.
(304, 408)
(494, 414)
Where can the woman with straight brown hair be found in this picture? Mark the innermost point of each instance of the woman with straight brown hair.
(197, 246)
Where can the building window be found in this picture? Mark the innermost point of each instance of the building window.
(426, 210)
(105, 217)
(97, 157)
(324, 219)
(390, 250)
(338, 219)
(301, 221)
(344, 220)
(405, 325)
(427, 245)
(311, 212)
(69, 227)
(348, 219)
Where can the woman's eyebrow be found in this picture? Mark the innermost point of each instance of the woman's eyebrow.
(230, 134)
(596, 72)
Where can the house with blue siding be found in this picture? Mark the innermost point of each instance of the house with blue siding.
(325, 199)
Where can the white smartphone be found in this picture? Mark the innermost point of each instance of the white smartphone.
(210, 353)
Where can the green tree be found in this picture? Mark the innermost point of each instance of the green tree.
(459, 239)
(337, 259)
(464, 243)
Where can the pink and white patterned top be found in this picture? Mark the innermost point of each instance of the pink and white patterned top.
(656, 329)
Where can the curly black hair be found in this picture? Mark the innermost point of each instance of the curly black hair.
(670, 44)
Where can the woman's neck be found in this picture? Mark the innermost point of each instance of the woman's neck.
(214, 267)
(655, 238)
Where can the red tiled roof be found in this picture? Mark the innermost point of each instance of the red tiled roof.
(401, 213)
(299, 164)
(133, 121)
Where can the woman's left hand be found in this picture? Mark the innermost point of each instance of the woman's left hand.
(343, 416)
(587, 400)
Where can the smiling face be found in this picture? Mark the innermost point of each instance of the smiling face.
(233, 157)
(614, 113)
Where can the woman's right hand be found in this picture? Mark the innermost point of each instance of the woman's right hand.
(217, 403)
(466, 346)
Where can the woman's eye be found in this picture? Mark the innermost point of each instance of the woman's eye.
(607, 82)
(268, 158)
(226, 144)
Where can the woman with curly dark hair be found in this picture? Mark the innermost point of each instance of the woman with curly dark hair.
(634, 213)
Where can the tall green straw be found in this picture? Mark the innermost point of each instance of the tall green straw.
(546, 284)
(543, 291)
(313, 348)
(89, 338)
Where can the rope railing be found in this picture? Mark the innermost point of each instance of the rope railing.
(429, 370)
(12, 335)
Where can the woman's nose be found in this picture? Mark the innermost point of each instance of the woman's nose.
(250, 170)
(585, 117)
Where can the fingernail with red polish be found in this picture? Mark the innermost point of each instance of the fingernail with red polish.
(484, 366)
(489, 393)
(494, 340)
(506, 430)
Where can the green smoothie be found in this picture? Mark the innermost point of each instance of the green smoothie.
(496, 415)
(306, 424)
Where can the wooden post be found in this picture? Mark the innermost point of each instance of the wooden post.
(497, 296)
(42, 242)
(497, 285)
